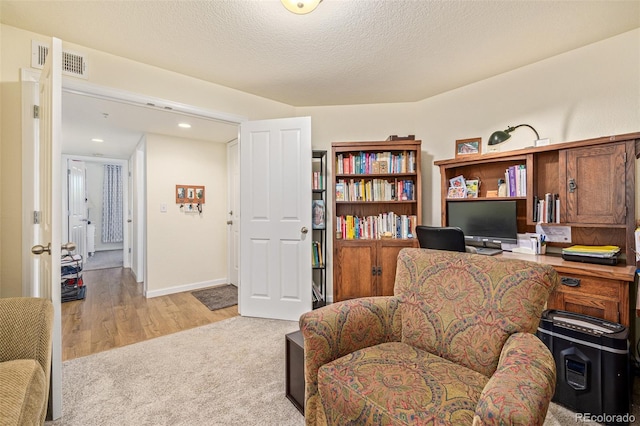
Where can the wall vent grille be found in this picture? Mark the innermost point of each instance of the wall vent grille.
(73, 64)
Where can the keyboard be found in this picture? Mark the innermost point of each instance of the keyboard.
(488, 251)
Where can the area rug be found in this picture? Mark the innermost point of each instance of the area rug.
(103, 260)
(218, 297)
(227, 373)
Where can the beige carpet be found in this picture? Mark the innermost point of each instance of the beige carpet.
(227, 373)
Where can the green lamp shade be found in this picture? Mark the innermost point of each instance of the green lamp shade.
(498, 137)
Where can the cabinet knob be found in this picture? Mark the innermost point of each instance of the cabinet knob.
(572, 185)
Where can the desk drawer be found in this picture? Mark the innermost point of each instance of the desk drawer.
(601, 287)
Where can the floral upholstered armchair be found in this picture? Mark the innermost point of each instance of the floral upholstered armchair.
(454, 345)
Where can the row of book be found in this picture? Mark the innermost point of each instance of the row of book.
(384, 225)
(547, 208)
(316, 254)
(318, 181)
(376, 162)
(375, 190)
(516, 179)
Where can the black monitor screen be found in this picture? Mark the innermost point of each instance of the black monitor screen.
(485, 221)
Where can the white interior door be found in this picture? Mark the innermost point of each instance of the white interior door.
(50, 208)
(77, 205)
(233, 222)
(275, 237)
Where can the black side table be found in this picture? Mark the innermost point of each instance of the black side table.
(294, 379)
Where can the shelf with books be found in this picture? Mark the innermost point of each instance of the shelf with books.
(376, 206)
(319, 228)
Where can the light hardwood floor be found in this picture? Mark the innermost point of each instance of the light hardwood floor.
(115, 313)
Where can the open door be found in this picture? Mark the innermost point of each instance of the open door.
(275, 200)
(77, 205)
(49, 209)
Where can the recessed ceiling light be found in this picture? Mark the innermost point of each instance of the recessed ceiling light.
(97, 140)
(184, 125)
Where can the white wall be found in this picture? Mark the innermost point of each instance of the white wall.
(185, 250)
(105, 70)
(589, 92)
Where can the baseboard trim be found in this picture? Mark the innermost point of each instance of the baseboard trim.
(186, 287)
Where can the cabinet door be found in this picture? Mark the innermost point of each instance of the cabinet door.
(354, 264)
(595, 187)
(387, 261)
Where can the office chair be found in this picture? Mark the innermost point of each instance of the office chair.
(441, 238)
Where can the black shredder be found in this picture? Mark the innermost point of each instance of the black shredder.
(592, 363)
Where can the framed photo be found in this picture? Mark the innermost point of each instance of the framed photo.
(191, 194)
(181, 193)
(317, 214)
(468, 147)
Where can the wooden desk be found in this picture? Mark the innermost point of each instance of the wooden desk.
(603, 291)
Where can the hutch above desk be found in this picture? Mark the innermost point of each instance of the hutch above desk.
(594, 180)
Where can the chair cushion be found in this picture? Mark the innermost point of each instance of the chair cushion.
(463, 307)
(23, 392)
(394, 383)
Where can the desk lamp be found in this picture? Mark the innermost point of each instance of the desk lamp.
(500, 136)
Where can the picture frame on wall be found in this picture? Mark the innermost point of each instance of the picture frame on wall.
(468, 147)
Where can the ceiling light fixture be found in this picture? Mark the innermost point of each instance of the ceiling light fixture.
(184, 125)
(97, 140)
(300, 7)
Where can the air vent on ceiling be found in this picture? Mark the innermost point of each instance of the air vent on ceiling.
(73, 64)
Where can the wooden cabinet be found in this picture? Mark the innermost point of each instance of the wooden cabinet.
(377, 188)
(595, 182)
(366, 268)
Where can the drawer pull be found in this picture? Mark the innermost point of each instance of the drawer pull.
(570, 282)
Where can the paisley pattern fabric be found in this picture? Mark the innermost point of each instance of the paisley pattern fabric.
(463, 307)
(428, 354)
(507, 398)
(394, 383)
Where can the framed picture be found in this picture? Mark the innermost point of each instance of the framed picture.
(468, 147)
(181, 193)
(317, 212)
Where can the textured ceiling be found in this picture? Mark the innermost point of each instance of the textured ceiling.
(345, 52)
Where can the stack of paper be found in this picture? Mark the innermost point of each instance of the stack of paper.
(593, 251)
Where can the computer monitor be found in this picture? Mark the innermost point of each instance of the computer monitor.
(485, 223)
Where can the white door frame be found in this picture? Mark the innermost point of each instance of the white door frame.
(233, 210)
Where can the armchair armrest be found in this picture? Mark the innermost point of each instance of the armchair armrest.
(339, 329)
(520, 390)
(25, 329)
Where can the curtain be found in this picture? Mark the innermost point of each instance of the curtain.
(112, 226)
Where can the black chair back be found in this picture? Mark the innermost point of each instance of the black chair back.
(441, 238)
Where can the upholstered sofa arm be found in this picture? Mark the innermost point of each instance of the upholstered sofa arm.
(25, 329)
(339, 329)
(522, 386)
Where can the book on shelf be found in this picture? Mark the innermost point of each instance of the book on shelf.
(376, 162)
(516, 179)
(376, 189)
(317, 260)
(318, 181)
(383, 225)
(318, 214)
(548, 208)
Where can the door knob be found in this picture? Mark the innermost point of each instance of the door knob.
(39, 249)
(68, 246)
(229, 222)
(304, 230)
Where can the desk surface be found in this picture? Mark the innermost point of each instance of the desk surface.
(618, 272)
